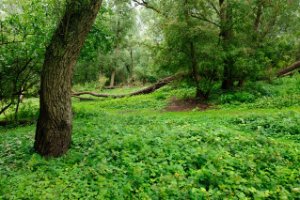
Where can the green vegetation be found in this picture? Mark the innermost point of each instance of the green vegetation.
(132, 149)
(149, 99)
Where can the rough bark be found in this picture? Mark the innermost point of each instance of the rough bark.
(146, 90)
(289, 69)
(53, 133)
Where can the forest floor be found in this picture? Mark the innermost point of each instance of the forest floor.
(246, 145)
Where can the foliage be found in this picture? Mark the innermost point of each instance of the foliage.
(131, 149)
(279, 125)
(26, 28)
(222, 42)
(280, 93)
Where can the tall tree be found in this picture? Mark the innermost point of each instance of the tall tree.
(226, 35)
(53, 133)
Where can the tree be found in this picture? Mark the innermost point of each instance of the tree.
(24, 32)
(224, 41)
(54, 127)
(107, 49)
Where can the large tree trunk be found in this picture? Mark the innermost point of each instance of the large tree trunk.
(53, 133)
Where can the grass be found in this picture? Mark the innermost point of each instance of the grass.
(132, 149)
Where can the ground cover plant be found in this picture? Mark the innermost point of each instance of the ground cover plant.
(133, 148)
(149, 99)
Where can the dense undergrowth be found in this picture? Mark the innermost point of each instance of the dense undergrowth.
(246, 146)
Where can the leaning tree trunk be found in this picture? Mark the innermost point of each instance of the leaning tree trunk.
(289, 69)
(53, 133)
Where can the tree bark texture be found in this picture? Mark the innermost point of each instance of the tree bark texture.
(53, 132)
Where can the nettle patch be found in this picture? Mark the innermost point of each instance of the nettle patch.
(152, 156)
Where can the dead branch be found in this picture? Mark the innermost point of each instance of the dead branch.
(288, 70)
(146, 90)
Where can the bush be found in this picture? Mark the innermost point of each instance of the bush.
(280, 125)
(238, 97)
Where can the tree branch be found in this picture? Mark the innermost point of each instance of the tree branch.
(289, 69)
(203, 18)
(147, 5)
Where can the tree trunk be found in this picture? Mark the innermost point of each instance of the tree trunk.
(226, 35)
(6, 107)
(192, 53)
(132, 65)
(17, 108)
(112, 79)
(199, 92)
(228, 82)
(53, 133)
(201, 96)
(258, 17)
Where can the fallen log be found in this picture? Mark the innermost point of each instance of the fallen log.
(288, 70)
(83, 98)
(146, 90)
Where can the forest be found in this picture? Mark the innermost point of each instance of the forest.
(150, 99)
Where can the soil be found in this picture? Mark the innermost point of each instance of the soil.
(177, 105)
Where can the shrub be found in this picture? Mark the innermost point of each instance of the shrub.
(237, 97)
(280, 125)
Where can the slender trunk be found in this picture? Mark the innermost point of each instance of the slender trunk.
(228, 82)
(17, 106)
(226, 35)
(6, 107)
(258, 17)
(194, 64)
(199, 93)
(53, 132)
(241, 83)
(112, 79)
(132, 65)
(193, 56)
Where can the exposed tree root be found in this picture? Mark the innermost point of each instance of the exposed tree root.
(146, 90)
